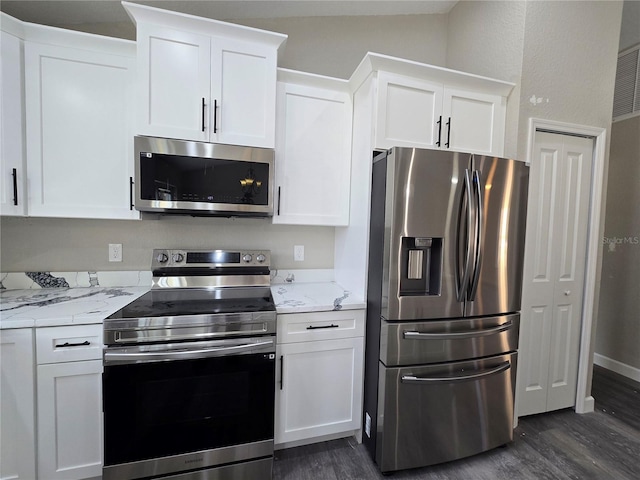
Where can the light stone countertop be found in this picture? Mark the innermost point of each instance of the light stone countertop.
(313, 297)
(47, 307)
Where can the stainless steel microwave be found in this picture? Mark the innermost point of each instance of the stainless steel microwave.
(197, 178)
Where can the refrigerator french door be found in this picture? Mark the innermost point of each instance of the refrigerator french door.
(445, 271)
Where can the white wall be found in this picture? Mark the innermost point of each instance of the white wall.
(487, 38)
(618, 333)
(334, 46)
(58, 244)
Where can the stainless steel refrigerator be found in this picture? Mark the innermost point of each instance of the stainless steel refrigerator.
(443, 299)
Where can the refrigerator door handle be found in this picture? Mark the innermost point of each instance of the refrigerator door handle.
(456, 378)
(479, 236)
(413, 335)
(462, 287)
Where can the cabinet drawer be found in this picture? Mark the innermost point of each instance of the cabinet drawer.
(68, 344)
(307, 327)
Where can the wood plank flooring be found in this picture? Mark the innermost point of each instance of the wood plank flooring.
(601, 445)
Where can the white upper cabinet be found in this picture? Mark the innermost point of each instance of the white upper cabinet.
(12, 160)
(79, 130)
(173, 82)
(473, 121)
(408, 112)
(313, 150)
(424, 106)
(204, 80)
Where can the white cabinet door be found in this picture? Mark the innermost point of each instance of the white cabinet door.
(12, 166)
(17, 412)
(473, 122)
(313, 156)
(416, 113)
(173, 83)
(409, 111)
(319, 388)
(212, 89)
(243, 93)
(70, 420)
(79, 135)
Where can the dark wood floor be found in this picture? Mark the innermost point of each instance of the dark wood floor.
(601, 445)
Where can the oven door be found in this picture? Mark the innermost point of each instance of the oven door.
(187, 406)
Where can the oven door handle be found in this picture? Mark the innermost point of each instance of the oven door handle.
(138, 357)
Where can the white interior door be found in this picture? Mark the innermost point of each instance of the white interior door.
(554, 269)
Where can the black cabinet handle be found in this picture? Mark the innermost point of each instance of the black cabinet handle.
(130, 193)
(281, 371)
(215, 116)
(203, 105)
(439, 122)
(278, 200)
(67, 344)
(15, 186)
(448, 132)
(311, 327)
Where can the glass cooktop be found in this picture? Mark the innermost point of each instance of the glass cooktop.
(196, 301)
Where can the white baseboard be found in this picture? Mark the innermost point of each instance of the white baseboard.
(622, 368)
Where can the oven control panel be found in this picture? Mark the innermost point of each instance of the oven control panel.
(163, 258)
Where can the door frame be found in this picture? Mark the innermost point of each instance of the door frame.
(584, 401)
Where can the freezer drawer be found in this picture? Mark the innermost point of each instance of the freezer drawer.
(448, 340)
(436, 413)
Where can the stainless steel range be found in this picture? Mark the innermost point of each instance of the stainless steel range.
(189, 371)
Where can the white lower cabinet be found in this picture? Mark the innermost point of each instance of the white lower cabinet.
(69, 402)
(319, 383)
(17, 417)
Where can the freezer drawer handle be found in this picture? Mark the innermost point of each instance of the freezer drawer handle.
(413, 335)
(312, 327)
(457, 378)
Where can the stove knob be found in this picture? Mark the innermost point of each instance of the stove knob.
(178, 257)
(162, 258)
(261, 258)
(247, 257)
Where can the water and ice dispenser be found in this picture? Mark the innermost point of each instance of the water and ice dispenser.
(421, 266)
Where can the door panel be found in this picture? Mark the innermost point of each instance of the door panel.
(554, 272)
(503, 184)
(474, 122)
(174, 79)
(408, 112)
(422, 210)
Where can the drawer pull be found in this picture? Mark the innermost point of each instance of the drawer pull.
(408, 334)
(311, 327)
(67, 344)
(477, 375)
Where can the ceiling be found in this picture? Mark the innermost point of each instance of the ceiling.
(74, 12)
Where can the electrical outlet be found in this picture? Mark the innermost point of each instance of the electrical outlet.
(298, 253)
(115, 252)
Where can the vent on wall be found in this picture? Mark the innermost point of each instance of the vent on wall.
(626, 98)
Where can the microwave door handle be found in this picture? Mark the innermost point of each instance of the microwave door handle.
(134, 357)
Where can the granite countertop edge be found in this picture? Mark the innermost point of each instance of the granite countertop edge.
(289, 298)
